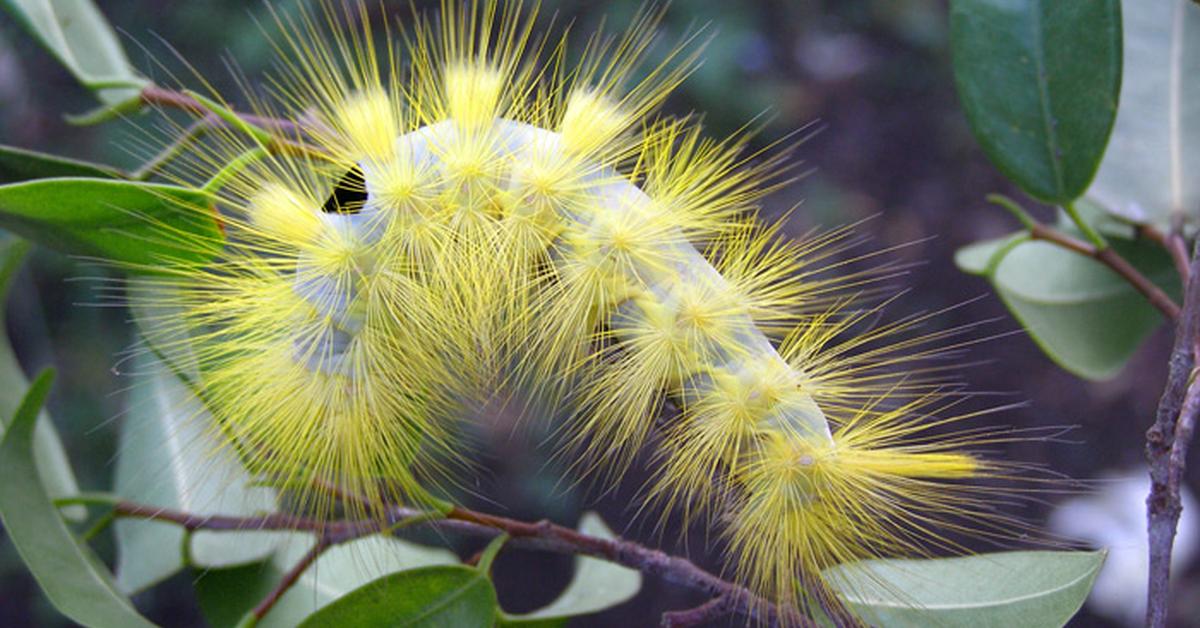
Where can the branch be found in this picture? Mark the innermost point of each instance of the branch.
(1167, 443)
(172, 99)
(281, 136)
(1098, 250)
(290, 578)
(706, 612)
(1109, 257)
(541, 536)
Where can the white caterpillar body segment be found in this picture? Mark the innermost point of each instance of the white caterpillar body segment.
(502, 222)
(651, 289)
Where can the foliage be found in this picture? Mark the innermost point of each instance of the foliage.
(1043, 113)
(1046, 125)
(1039, 80)
(71, 576)
(1024, 588)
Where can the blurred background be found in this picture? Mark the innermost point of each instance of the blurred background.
(893, 147)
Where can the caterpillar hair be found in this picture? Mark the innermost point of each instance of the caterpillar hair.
(458, 208)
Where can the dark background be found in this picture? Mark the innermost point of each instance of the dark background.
(894, 147)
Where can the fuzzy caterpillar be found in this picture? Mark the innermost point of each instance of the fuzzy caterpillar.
(475, 218)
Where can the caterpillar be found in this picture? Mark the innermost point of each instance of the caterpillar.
(462, 210)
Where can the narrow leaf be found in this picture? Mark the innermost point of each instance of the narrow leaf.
(1149, 169)
(52, 465)
(1039, 81)
(428, 597)
(76, 33)
(226, 595)
(71, 576)
(19, 164)
(138, 224)
(984, 591)
(170, 456)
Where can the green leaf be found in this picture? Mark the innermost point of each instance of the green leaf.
(984, 591)
(980, 258)
(137, 224)
(1149, 169)
(226, 595)
(427, 597)
(169, 456)
(1039, 81)
(19, 164)
(597, 585)
(1084, 316)
(53, 467)
(76, 33)
(71, 576)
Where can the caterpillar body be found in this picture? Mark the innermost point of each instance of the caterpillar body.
(471, 213)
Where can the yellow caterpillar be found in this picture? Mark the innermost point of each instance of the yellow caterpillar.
(470, 213)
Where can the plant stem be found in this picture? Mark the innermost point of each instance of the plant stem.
(106, 499)
(540, 536)
(171, 99)
(233, 168)
(707, 612)
(1109, 257)
(1018, 212)
(272, 134)
(1167, 443)
(1097, 249)
(1088, 231)
(291, 577)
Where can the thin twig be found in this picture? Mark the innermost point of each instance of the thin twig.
(1177, 238)
(285, 134)
(1098, 249)
(291, 577)
(172, 99)
(1109, 257)
(709, 611)
(541, 535)
(1167, 443)
(547, 536)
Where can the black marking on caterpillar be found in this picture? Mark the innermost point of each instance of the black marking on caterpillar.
(349, 194)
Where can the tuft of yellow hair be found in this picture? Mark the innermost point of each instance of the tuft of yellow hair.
(475, 215)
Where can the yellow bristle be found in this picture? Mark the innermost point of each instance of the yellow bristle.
(524, 225)
(472, 93)
(591, 120)
(366, 121)
(285, 215)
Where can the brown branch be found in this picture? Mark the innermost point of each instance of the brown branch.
(171, 99)
(541, 536)
(709, 611)
(1109, 257)
(1167, 443)
(286, 135)
(291, 577)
